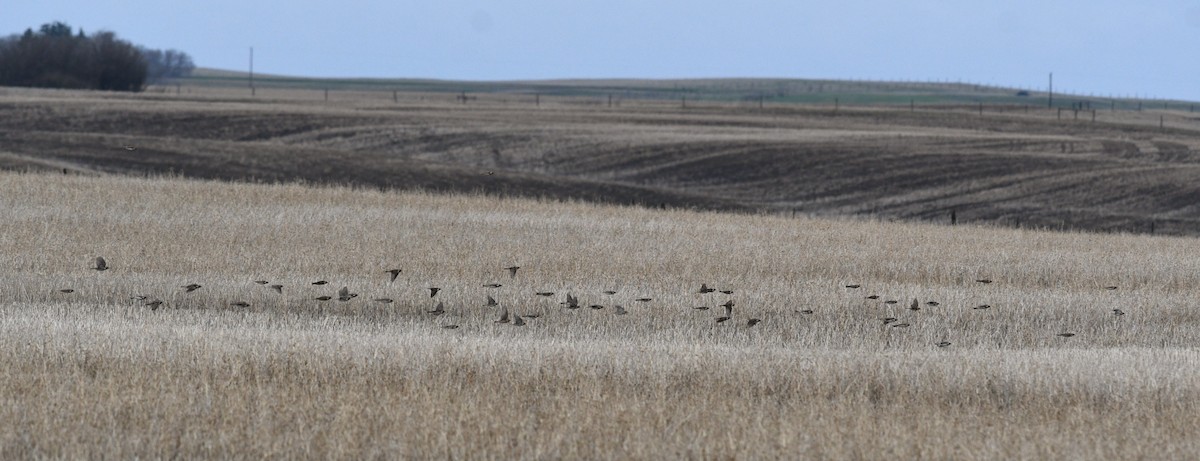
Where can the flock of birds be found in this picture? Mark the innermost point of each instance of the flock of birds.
(571, 302)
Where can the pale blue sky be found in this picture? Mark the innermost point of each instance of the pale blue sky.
(1093, 46)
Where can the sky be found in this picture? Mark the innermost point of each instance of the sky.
(1100, 47)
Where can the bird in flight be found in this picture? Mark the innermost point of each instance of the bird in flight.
(728, 311)
(643, 300)
(512, 271)
(323, 298)
(610, 292)
(1118, 312)
(915, 306)
(943, 344)
(395, 273)
(439, 310)
(853, 286)
(66, 290)
(154, 304)
(545, 293)
(433, 291)
(261, 282)
(503, 316)
(101, 264)
(619, 310)
(240, 304)
(492, 285)
(982, 306)
(517, 321)
(277, 288)
(383, 300)
(805, 311)
(320, 282)
(705, 289)
(492, 302)
(984, 281)
(191, 287)
(752, 322)
(1066, 335)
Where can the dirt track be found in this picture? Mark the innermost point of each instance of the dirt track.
(1010, 167)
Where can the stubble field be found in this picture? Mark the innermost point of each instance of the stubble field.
(94, 373)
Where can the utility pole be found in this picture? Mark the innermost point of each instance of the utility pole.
(1051, 101)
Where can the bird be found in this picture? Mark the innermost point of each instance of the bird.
(320, 282)
(383, 300)
(517, 321)
(1118, 312)
(643, 300)
(610, 292)
(889, 320)
(449, 327)
(805, 311)
(503, 316)
(571, 302)
(344, 294)
(433, 291)
(619, 310)
(395, 273)
(752, 322)
(984, 281)
(728, 311)
(932, 303)
(873, 297)
(240, 304)
(323, 298)
(492, 285)
(853, 286)
(982, 306)
(261, 282)
(66, 290)
(129, 148)
(891, 301)
(545, 293)
(278, 288)
(728, 292)
(705, 289)
(101, 264)
(1110, 288)
(915, 306)
(491, 301)
(154, 304)
(701, 308)
(943, 344)
(532, 316)
(140, 298)
(512, 271)
(191, 287)
(439, 310)
(596, 306)
(901, 325)
(1066, 335)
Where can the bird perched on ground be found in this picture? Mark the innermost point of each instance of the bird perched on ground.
(395, 273)
(191, 287)
(433, 291)
(101, 264)
(439, 310)
(705, 289)
(512, 271)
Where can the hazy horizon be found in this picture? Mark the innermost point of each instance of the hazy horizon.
(1105, 48)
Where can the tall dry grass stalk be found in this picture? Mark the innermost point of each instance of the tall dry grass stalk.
(93, 373)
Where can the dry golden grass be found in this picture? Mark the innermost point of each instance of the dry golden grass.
(95, 374)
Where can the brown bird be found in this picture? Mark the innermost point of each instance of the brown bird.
(915, 306)
(705, 289)
(395, 273)
(320, 282)
(240, 304)
(261, 282)
(512, 271)
(101, 264)
(439, 310)
(66, 290)
(619, 310)
(323, 298)
(503, 316)
(1066, 335)
(545, 293)
(752, 322)
(517, 321)
(984, 281)
(943, 344)
(433, 291)
(154, 304)
(383, 300)
(643, 300)
(853, 286)
(492, 285)
(191, 287)
(1118, 312)
(491, 302)
(277, 288)
(982, 306)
